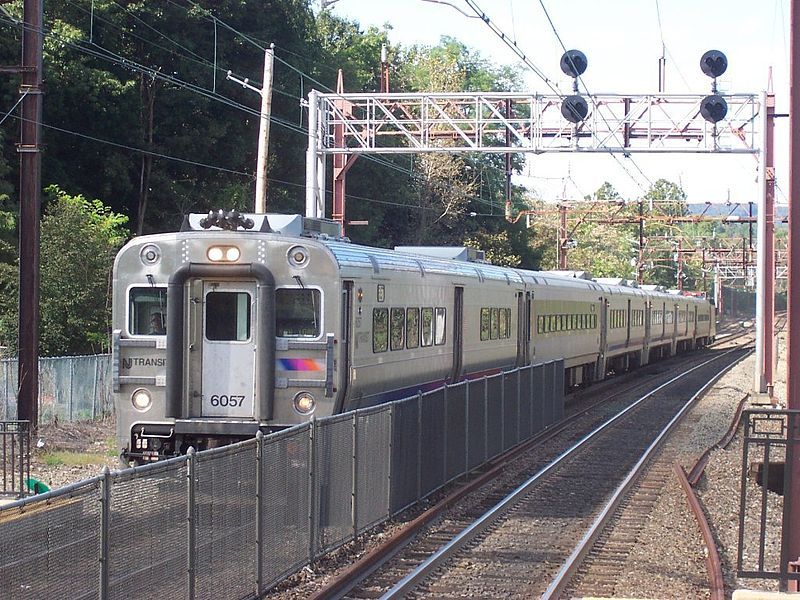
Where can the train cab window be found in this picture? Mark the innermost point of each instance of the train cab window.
(227, 316)
(147, 311)
(427, 327)
(485, 312)
(412, 328)
(380, 329)
(440, 326)
(397, 327)
(297, 312)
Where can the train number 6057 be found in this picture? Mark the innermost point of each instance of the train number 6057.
(224, 400)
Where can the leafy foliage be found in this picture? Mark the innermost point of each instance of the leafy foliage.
(80, 238)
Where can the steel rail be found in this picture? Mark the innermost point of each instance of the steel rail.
(713, 563)
(410, 581)
(569, 568)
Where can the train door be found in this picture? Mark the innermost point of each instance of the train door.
(346, 346)
(523, 327)
(628, 324)
(458, 332)
(228, 349)
(600, 366)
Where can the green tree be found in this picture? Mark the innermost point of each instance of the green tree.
(80, 238)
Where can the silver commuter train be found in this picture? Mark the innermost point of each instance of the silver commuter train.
(240, 323)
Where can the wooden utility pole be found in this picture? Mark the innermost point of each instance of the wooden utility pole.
(260, 204)
(30, 202)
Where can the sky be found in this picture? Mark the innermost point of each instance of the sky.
(623, 40)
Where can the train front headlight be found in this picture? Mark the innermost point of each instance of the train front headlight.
(304, 403)
(223, 253)
(141, 399)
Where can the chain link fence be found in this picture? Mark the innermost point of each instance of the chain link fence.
(71, 388)
(234, 521)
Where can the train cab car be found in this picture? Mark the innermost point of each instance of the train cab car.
(243, 323)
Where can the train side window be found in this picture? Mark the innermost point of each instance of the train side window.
(508, 321)
(494, 324)
(594, 321)
(227, 316)
(485, 323)
(146, 307)
(427, 327)
(297, 312)
(441, 326)
(380, 329)
(412, 328)
(397, 327)
(503, 324)
(540, 324)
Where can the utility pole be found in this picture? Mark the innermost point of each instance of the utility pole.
(792, 526)
(562, 237)
(263, 131)
(30, 202)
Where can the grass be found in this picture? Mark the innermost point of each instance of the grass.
(63, 457)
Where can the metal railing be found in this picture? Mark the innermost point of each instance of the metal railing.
(771, 445)
(15, 457)
(71, 388)
(234, 521)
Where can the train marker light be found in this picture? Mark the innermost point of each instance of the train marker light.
(297, 256)
(141, 399)
(304, 403)
(150, 254)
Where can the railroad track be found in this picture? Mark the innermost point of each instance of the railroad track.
(553, 514)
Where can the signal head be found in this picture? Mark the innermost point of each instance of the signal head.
(574, 109)
(574, 63)
(713, 108)
(713, 63)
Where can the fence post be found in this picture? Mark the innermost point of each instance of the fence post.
(446, 427)
(389, 471)
(71, 385)
(485, 418)
(191, 465)
(312, 496)
(259, 509)
(466, 426)
(94, 387)
(519, 401)
(354, 484)
(502, 376)
(419, 445)
(105, 525)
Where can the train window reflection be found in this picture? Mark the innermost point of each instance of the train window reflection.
(412, 328)
(397, 328)
(440, 326)
(147, 311)
(427, 327)
(485, 323)
(228, 316)
(297, 312)
(380, 329)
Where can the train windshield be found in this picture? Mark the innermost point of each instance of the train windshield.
(297, 312)
(147, 311)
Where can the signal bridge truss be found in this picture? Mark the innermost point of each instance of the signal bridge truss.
(515, 122)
